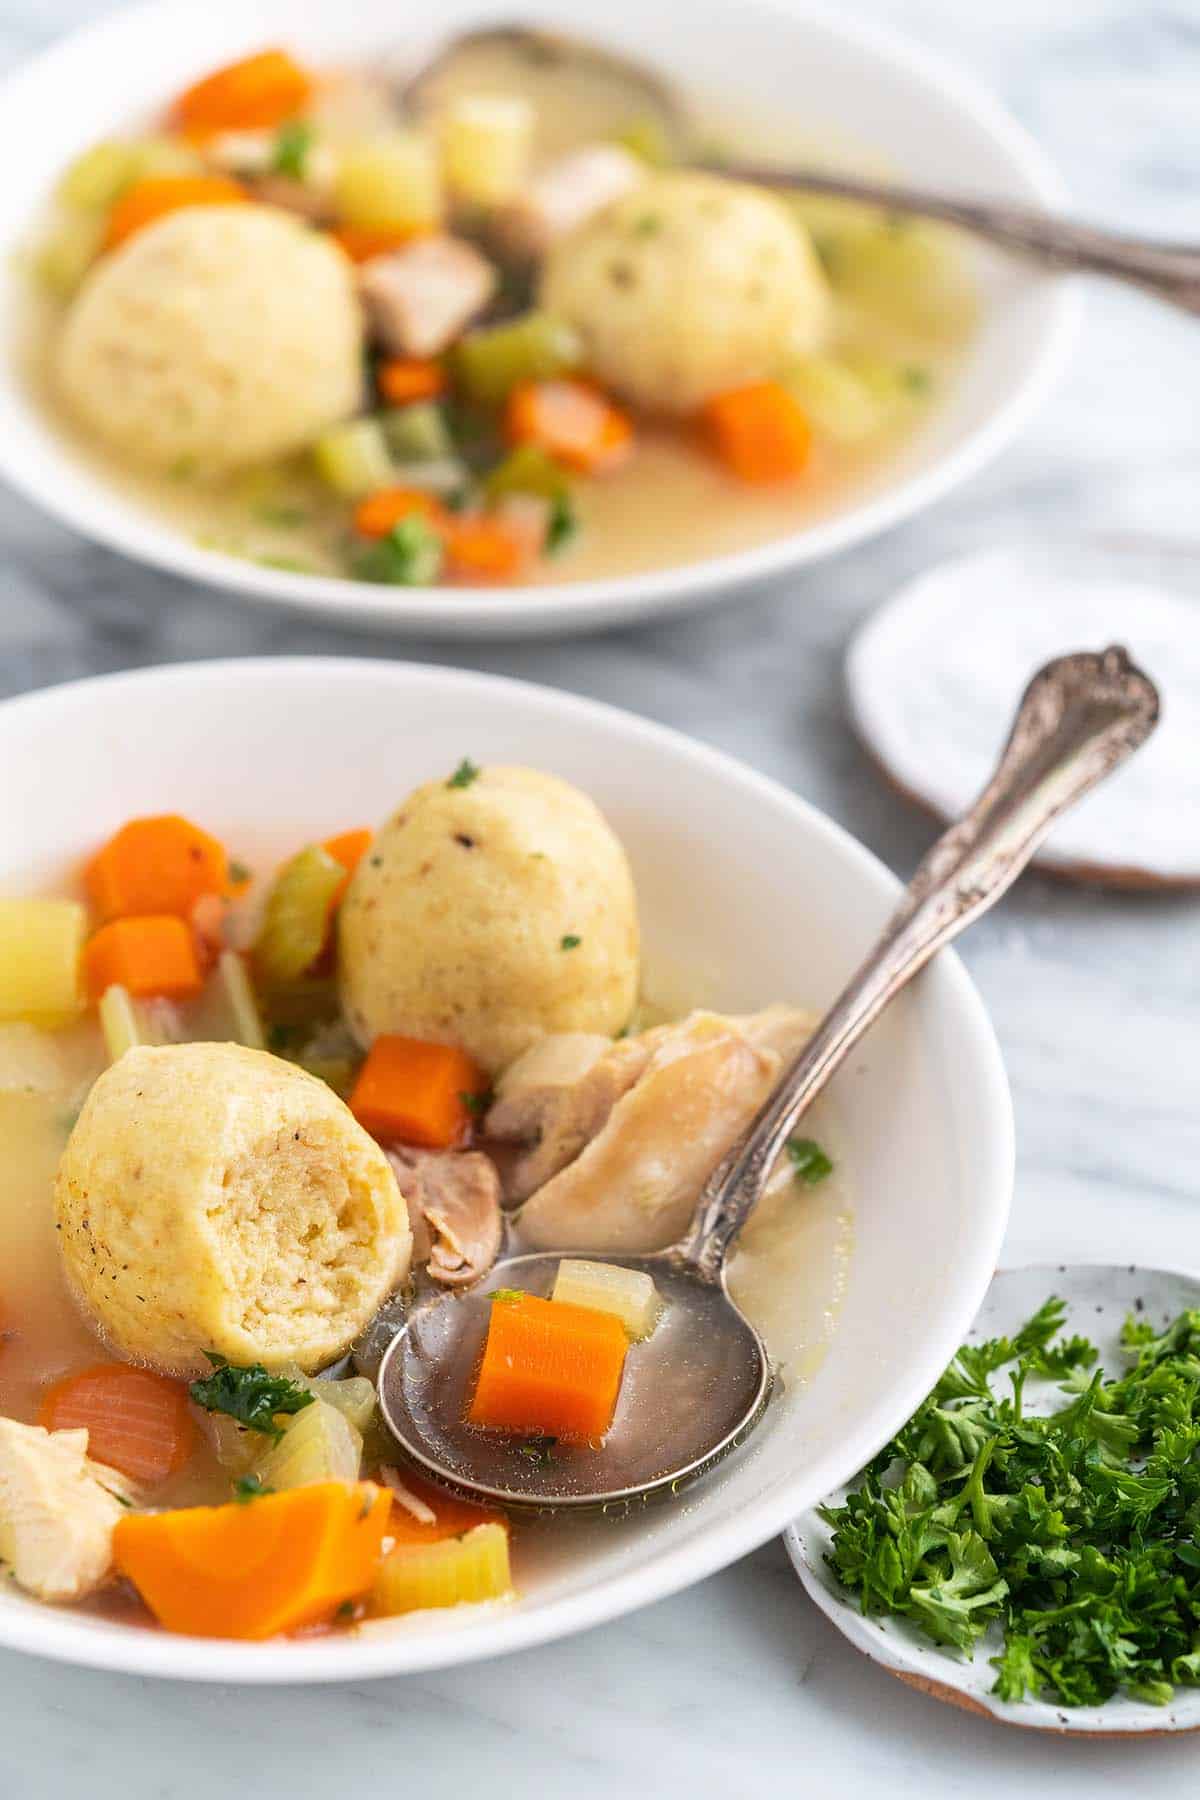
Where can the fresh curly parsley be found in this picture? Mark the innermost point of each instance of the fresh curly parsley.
(293, 141)
(249, 1394)
(465, 774)
(250, 1487)
(1077, 1533)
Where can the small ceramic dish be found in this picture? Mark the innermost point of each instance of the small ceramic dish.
(854, 85)
(1099, 1297)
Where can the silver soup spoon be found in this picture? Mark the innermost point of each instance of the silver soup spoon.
(1171, 271)
(697, 1386)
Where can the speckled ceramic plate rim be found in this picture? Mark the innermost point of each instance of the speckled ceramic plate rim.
(921, 1664)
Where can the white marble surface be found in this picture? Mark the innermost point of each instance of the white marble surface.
(738, 1687)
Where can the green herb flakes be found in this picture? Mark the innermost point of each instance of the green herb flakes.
(250, 1487)
(293, 142)
(411, 555)
(570, 941)
(465, 774)
(249, 1394)
(477, 1104)
(809, 1161)
(507, 1296)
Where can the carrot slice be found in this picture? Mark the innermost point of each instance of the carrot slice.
(347, 848)
(382, 511)
(402, 379)
(362, 242)
(761, 432)
(570, 420)
(157, 195)
(452, 1516)
(416, 1093)
(145, 956)
(483, 549)
(136, 1421)
(162, 864)
(272, 1565)
(249, 95)
(549, 1367)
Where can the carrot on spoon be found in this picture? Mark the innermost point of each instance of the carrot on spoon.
(549, 1367)
(136, 1421)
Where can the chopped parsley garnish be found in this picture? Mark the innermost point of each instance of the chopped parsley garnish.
(411, 555)
(293, 142)
(250, 1487)
(1076, 1534)
(562, 527)
(570, 941)
(477, 1104)
(507, 1296)
(249, 1394)
(465, 774)
(809, 1160)
(538, 1450)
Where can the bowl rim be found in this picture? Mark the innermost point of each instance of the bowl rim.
(62, 1637)
(570, 607)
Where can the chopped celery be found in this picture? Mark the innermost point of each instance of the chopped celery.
(485, 142)
(389, 183)
(353, 1397)
(296, 919)
(417, 433)
(605, 1287)
(353, 458)
(839, 403)
(64, 255)
(532, 348)
(234, 1445)
(40, 946)
(451, 1572)
(527, 470)
(127, 1022)
(317, 1444)
(237, 994)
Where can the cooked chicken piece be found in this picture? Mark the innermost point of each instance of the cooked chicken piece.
(556, 1098)
(565, 195)
(453, 1201)
(784, 1029)
(57, 1511)
(635, 1186)
(418, 299)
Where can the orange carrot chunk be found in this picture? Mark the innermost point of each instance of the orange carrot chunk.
(760, 432)
(549, 1367)
(162, 864)
(362, 242)
(250, 95)
(570, 420)
(381, 512)
(272, 1565)
(157, 195)
(451, 1516)
(136, 1421)
(146, 956)
(348, 848)
(482, 549)
(405, 378)
(416, 1093)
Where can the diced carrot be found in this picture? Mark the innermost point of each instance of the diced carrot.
(413, 1092)
(162, 864)
(382, 511)
(249, 95)
(761, 432)
(402, 379)
(549, 1367)
(146, 956)
(570, 420)
(362, 242)
(452, 1516)
(348, 848)
(255, 1570)
(483, 549)
(157, 195)
(136, 1421)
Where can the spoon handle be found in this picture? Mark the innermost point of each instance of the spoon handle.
(1172, 271)
(1079, 719)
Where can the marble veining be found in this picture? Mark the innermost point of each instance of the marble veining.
(738, 1687)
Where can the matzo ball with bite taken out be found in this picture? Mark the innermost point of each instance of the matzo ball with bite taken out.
(217, 337)
(688, 286)
(214, 1198)
(496, 906)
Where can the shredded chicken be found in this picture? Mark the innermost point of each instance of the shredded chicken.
(58, 1510)
(418, 299)
(556, 1098)
(453, 1199)
(565, 195)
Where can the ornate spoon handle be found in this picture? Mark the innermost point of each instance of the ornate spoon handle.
(1172, 271)
(1079, 719)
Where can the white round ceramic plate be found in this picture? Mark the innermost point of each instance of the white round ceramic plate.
(927, 122)
(931, 676)
(747, 895)
(1099, 1297)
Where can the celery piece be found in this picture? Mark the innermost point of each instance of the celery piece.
(236, 992)
(417, 433)
(534, 347)
(316, 1444)
(353, 458)
(125, 1022)
(296, 918)
(839, 403)
(452, 1572)
(485, 140)
(40, 946)
(100, 174)
(605, 1287)
(527, 470)
(64, 254)
(909, 274)
(295, 1009)
(353, 1397)
(389, 183)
